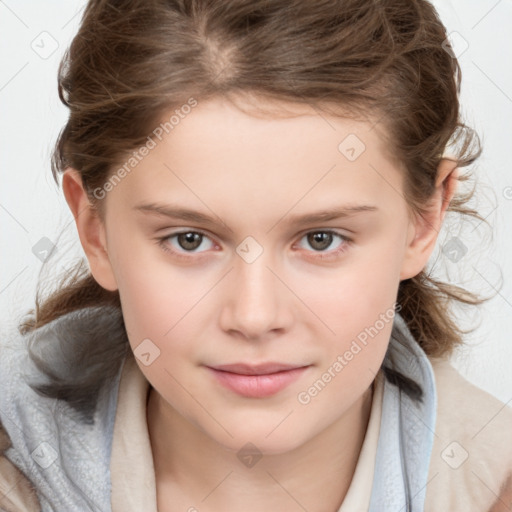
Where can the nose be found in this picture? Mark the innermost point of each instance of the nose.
(256, 304)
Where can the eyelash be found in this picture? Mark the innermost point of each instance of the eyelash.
(161, 241)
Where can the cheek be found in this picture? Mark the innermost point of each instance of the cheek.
(353, 296)
(350, 359)
(155, 293)
(163, 330)
(357, 304)
(160, 304)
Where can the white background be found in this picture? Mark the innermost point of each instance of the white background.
(33, 207)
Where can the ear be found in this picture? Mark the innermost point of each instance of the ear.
(91, 229)
(424, 230)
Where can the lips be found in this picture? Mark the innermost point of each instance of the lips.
(260, 369)
(256, 381)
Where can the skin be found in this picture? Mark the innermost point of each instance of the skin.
(252, 173)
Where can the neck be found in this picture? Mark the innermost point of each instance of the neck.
(193, 470)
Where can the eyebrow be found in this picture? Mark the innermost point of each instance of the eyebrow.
(181, 213)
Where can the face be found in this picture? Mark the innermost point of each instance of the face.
(262, 280)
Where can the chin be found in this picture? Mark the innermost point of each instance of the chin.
(266, 440)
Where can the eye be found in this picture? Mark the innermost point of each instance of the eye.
(186, 242)
(321, 240)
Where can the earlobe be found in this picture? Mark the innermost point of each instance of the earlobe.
(423, 232)
(91, 229)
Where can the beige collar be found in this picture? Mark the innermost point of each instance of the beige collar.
(131, 465)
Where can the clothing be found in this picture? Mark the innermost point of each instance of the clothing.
(16, 492)
(358, 495)
(419, 458)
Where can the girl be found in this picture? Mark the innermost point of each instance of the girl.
(257, 187)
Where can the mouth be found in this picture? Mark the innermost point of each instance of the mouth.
(257, 381)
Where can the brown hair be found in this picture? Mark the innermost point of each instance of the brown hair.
(132, 61)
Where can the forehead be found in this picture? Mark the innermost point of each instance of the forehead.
(265, 153)
(277, 125)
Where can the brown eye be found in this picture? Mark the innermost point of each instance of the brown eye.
(185, 243)
(320, 240)
(190, 240)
